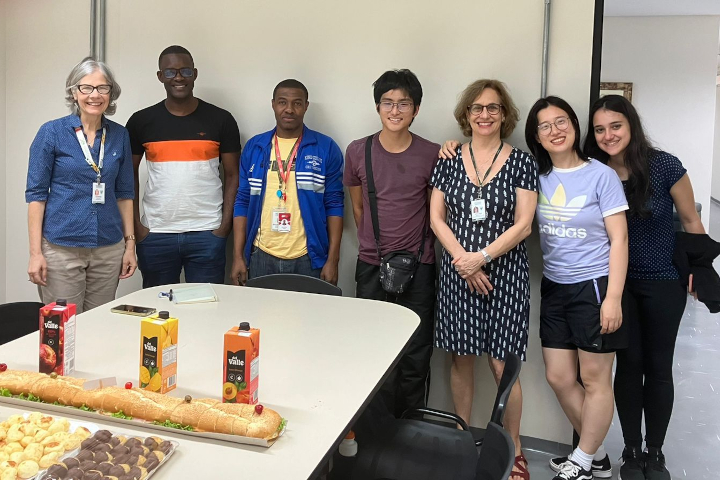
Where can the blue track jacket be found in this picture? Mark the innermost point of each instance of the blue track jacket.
(318, 175)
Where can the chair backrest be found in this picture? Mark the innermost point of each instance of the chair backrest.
(508, 379)
(18, 319)
(409, 449)
(294, 283)
(497, 454)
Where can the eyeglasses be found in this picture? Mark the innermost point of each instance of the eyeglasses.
(402, 107)
(88, 89)
(561, 124)
(172, 72)
(477, 109)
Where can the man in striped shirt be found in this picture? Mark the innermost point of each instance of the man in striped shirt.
(188, 211)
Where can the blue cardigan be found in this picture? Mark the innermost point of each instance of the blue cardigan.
(318, 175)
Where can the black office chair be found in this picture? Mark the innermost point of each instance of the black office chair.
(413, 449)
(507, 381)
(497, 455)
(292, 282)
(18, 319)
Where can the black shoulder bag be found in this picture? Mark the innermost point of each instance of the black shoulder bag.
(397, 269)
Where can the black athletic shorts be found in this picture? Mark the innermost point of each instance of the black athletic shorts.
(570, 317)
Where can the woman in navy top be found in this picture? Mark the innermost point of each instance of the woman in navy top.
(654, 298)
(79, 194)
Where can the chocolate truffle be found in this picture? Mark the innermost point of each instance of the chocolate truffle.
(84, 455)
(104, 467)
(88, 443)
(133, 442)
(57, 470)
(102, 436)
(74, 474)
(166, 447)
(101, 447)
(71, 463)
(120, 450)
(88, 465)
(117, 471)
(102, 457)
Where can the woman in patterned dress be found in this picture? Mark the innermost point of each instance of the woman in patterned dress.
(481, 210)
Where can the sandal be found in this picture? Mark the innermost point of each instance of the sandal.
(520, 470)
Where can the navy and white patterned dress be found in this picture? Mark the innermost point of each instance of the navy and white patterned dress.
(472, 323)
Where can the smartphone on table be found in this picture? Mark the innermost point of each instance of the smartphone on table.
(133, 310)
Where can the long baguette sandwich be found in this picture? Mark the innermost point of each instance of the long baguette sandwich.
(203, 414)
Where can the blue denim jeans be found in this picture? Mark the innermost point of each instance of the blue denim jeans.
(262, 263)
(161, 257)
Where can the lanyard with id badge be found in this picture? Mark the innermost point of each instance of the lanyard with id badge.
(478, 207)
(98, 188)
(281, 218)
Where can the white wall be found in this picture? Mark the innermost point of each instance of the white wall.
(243, 48)
(3, 176)
(715, 190)
(672, 62)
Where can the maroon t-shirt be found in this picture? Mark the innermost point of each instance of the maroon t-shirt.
(401, 182)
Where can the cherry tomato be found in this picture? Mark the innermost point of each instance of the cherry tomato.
(258, 409)
(3, 367)
(128, 385)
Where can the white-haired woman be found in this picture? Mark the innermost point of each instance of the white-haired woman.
(79, 194)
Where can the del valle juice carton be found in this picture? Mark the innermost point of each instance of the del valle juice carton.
(241, 364)
(57, 338)
(158, 353)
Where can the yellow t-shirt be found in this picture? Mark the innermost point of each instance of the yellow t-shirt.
(280, 244)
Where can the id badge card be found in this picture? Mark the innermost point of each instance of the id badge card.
(477, 208)
(98, 192)
(281, 221)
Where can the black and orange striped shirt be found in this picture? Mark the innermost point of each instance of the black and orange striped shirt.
(183, 192)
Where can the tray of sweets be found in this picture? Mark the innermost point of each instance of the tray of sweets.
(108, 456)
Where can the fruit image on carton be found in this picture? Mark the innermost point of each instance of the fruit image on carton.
(158, 353)
(57, 338)
(241, 365)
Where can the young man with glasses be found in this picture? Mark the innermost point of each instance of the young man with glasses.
(187, 209)
(289, 206)
(402, 164)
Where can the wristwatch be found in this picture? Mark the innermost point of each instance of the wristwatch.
(488, 257)
(130, 237)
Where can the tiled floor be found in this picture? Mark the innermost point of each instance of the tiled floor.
(693, 442)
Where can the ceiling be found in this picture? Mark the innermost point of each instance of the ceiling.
(622, 8)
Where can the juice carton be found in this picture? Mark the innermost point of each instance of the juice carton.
(241, 365)
(57, 338)
(158, 352)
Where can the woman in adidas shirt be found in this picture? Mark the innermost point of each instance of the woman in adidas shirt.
(655, 296)
(583, 236)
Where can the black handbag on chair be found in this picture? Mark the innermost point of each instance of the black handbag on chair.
(397, 269)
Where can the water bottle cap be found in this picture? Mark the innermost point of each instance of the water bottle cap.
(61, 302)
(164, 315)
(350, 435)
(245, 326)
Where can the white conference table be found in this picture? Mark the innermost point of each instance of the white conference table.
(321, 358)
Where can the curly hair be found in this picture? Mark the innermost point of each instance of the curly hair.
(474, 90)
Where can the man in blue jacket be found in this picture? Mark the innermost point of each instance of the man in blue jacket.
(289, 204)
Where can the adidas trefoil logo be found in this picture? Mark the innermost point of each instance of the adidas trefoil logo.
(556, 209)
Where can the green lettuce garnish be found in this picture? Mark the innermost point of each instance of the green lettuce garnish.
(33, 398)
(85, 408)
(120, 414)
(169, 424)
(283, 424)
(5, 392)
